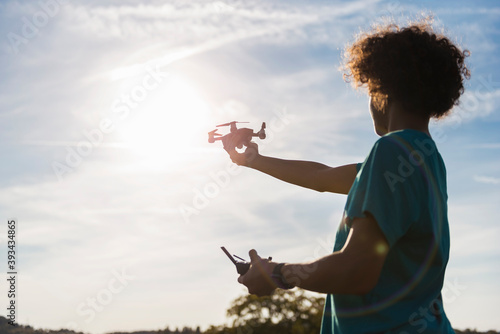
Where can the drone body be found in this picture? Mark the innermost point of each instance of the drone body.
(244, 135)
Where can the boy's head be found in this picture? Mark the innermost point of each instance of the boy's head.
(415, 66)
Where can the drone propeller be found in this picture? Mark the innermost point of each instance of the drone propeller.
(214, 133)
(230, 123)
(244, 135)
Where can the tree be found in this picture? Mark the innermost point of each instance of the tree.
(292, 311)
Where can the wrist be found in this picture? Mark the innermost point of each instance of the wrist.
(253, 161)
(279, 279)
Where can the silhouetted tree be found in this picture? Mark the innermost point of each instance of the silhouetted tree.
(284, 312)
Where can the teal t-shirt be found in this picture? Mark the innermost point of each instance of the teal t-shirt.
(402, 184)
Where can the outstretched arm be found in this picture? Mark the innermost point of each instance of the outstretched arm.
(306, 174)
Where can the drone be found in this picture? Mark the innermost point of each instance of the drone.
(244, 134)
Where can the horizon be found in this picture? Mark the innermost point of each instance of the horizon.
(121, 203)
(196, 327)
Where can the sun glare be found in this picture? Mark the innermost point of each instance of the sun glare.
(166, 125)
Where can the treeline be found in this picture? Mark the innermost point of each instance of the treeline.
(473, 331)
(185, 330)
(5, 328)
(285, 312)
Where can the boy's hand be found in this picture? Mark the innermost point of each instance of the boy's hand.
(251, 152)
(258, 277)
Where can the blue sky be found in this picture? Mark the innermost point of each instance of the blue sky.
(122, 204)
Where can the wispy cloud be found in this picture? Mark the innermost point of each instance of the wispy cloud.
(480, 101)
(487, 179)
(492, 146)
(241, 23)
(249, 60)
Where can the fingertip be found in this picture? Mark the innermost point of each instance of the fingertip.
(253, 255)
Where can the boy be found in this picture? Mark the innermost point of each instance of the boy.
(387, 269)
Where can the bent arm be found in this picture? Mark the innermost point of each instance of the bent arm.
(353, 270)
(308, 174)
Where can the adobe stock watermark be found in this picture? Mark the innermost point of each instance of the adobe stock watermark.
(421, 318)
(121, 108)
(409, 163)
(424, 315)
(96, 303)
(325, 245)
(31, 27)
(202, 196)
(470, 103)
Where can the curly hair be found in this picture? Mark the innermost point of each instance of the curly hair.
(419, 68)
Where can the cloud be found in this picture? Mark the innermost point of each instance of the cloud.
(486, 179)
(248, 59)
(490, 146)
(481, 100)
(205, 32)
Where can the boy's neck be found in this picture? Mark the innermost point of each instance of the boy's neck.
(400, 119)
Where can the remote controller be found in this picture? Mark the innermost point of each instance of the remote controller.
(241, 266)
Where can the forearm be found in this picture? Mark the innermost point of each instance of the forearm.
(301, 173)
(308, 174)
(334, 273)
(355, 269)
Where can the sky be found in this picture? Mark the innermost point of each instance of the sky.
(122, 205)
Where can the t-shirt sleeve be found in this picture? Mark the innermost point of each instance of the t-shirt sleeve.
(387, 187)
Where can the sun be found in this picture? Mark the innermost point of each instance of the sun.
(166, 126)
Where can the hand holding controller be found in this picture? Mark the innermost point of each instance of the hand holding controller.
(241, 266)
